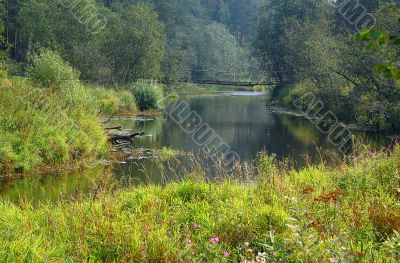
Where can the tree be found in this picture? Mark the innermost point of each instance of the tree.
(50, 70)
(3, 44)
(135, 44)
(274, 19)
(385, 41)
(242, 19)
(218, 55)
(49, 24)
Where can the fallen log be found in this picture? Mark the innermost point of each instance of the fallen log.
(114, 128)
(117, 139)
(272, 103)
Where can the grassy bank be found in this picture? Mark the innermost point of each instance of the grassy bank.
(345, 214)
(50, 118)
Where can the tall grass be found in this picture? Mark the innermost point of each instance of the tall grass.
(346, 213)
(45, 126)
(50, 118)
(112, 101)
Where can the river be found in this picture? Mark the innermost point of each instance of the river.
(240, 118)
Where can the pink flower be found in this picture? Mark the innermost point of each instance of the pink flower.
(214, 240)
(226, 254)
(196, 226)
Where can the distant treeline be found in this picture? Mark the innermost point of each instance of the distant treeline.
(125, 40)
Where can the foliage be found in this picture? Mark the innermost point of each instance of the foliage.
(137, 39)
(135, 44)
(53, 119)
(3, 43)
(148, 95)
(218, 56)
(348, 213)
(49, 70)
(385, 43)
(274, 19)
(312, 50)
(111, 101)
(62, 29)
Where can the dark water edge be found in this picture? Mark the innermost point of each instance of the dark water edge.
(240, 118)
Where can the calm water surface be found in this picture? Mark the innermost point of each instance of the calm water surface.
(240, 118)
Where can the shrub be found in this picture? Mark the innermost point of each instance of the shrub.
(297, 92)
(110, 101)
(128, 101)
(147, 95)
(50, 70)
(395, 117)
(107, 100)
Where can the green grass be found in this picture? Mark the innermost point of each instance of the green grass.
(348, 213)
(49, 118)
(47, 126)
(167, 153)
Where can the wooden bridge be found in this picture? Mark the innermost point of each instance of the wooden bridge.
(226, 78)
(226, 83)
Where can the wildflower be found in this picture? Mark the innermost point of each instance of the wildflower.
(214, 240)
(196, 226)
(357, 253)
(226, 254)
(261, 257)
(188, 243)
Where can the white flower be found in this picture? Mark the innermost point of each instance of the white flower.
(261, 257)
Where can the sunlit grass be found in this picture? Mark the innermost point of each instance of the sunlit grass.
(345, 213)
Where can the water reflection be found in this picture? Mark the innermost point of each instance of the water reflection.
(241, 119)
(51, 187)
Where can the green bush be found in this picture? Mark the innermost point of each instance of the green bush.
(110, 101)
(147, 95)
(107, 100)
(396, 117)
(128, 101)
(296, 93)
(50, 70)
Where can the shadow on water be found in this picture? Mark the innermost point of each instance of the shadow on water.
(240, 118)
(51, 187)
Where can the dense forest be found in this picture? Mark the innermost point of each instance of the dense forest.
(327, 49)
(304, 45)
(110, 151)
(122, 41)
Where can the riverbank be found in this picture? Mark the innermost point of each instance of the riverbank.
(349, 212)
(294, 113)
(52, 120)
(357, 112)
